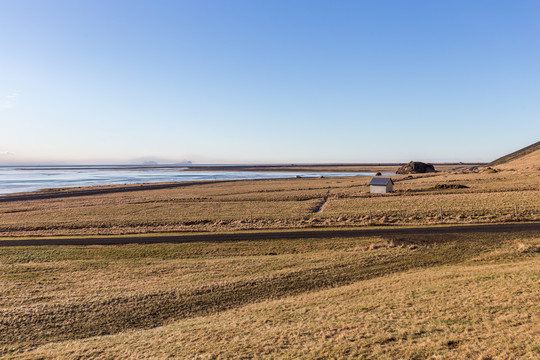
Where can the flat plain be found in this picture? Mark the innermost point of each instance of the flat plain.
(419, 199)
(411, 296)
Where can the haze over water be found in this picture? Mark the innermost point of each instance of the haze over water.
(32, 178)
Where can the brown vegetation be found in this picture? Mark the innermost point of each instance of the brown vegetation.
(441, 198)
(526, 163)
(451, 296)
(521, 153)
(435, 295)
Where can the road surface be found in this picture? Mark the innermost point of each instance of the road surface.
(270, 235)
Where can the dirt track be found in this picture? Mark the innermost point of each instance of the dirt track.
(268, 235)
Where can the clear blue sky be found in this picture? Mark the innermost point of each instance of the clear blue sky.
(92, 81)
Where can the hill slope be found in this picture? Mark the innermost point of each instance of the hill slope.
(527, 163)
(512, 157)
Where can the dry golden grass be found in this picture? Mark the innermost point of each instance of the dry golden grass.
(526, 163)
(357, 321)
(452, 207)
(454, 296)
(290, 203)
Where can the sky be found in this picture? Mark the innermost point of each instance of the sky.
(251, 81)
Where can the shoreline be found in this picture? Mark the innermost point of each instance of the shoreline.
(64, 192)
(76, 191)
(83, 190)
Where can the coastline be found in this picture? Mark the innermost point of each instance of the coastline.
(83, 187)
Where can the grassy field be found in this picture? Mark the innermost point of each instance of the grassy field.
(440, 296)
(455, 296)
(292, 203)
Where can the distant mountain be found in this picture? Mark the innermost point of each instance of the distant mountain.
(526, 158)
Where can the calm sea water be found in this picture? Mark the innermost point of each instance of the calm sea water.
(23, 179)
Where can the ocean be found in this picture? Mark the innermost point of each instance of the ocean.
(16, 179)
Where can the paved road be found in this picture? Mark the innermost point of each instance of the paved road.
(269, 235)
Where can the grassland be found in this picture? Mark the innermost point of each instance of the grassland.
(431, 295)
(456, 296)
(277, 204)
(516, 155)
(529, 162)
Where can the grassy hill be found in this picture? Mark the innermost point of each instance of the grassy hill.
(516, 155)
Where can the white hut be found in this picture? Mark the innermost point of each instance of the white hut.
(381, 185)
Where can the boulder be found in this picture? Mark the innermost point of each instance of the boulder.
(415, 167)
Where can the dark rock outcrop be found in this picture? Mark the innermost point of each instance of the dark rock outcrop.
(415, 167)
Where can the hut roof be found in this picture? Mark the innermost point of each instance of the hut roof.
(381, 181)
